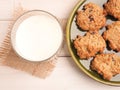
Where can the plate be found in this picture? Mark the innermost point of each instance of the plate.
(72, 31)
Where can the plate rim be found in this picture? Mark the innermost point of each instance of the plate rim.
(68, 27)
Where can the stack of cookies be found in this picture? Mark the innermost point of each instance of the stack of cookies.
(91, 19)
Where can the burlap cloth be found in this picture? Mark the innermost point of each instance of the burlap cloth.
(9, 58)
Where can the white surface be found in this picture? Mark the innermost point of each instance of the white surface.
(66, 76)
(6, 9)
(38, 37)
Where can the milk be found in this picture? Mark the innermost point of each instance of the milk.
(38, 37)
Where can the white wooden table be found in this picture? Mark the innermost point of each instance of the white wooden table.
(66, 75)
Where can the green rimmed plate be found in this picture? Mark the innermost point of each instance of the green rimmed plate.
(72, 31)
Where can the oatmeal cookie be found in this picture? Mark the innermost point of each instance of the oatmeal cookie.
(112, 35)
(89, 45)
(91, 17)
(107, 65)
(112, 7)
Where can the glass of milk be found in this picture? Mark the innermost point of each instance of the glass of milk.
(36, 36)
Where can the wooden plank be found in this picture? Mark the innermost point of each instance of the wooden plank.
(6, 9)
(58, 8)
(66, 76)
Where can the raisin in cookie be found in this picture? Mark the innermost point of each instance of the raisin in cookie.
(91, 17)
(89, 45)
(107, 65)
(112, 7)
(112, 35)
